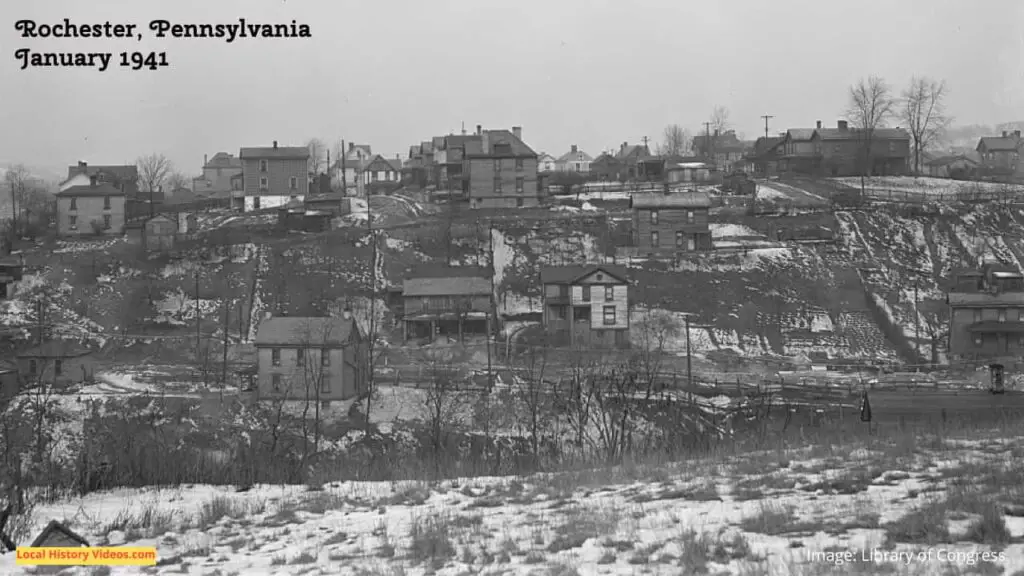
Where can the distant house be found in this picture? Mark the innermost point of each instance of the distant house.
(1000, 155)
(986, 323)
(575, 160)
(767, 154)
(450, 159)
(347, 168)
(671, 223)
(124, 177)
(608, 167)
(453, 305)
(501, 170)
(56, 362)
(217, 174)
(11, 270)
(545, 162)
(94, 208)
(272, 176)
(630, 155)
(688, 170)
(841, 151)
(958, 165)
(379, 171)
(310, 358)
(337, 203)
(798, 153)
(721, 149)
(586, 305)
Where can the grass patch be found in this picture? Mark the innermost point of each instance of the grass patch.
(430, 540)
(583, 523)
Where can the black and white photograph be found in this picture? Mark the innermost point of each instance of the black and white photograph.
(542, 288)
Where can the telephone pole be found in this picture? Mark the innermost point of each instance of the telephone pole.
(493, 312)
(917, 325)
(645, 139)
(707, 139)
(689, 366)
(766, 118)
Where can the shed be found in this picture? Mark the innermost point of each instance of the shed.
(159, 232)
(57, 535)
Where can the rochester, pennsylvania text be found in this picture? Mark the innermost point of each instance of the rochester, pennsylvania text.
(135, 60)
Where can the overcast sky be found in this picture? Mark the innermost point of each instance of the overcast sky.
(391, 73)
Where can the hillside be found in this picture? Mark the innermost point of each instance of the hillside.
(852, 300)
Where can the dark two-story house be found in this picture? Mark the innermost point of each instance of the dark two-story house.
(450, 158)
(666, 224)
(723, 149)
(607, 167)
(1000, 155)
(314, 358)
(845, 151)
(272, 176)
(986, 315)
(767, 154)
(97, 208)
(501, 170)
(631, 156)
(458, 304)
(586, 306)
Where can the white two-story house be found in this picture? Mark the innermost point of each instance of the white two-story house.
(586, 306)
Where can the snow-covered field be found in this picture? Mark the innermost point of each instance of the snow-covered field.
(842, 509)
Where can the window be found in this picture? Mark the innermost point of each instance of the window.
(497, 185)
(609, 315)
(654, 217)
(609, 293)
(1002, 315)
(563, 291)
(586, 294)
(256, 203)
(263, 165)
(325, 357)
(264, 183)
(560, 312)
(978, 340)
(74, 204)
(519, 202)
(58, 367)
(497, 164)
(300, 357)
(33, 366)
(275, 356)
(106, 202)
(275, 381)
(691, 244)
(293, 183)
(892, 147)
(679, 239)
(654, 238)
(73, 222)
(977, 315)
(425, 304)
(519, 185)
(106, 221)
(374, 175)
(581, 314)
(689, 215)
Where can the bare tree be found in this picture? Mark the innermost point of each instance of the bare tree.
(924, 111)
(675, 141)
(31, 205)
(443, 400)
(317, 155)
(153, 171)
(175, 180)
(870, 107)
(533, 394)
(719, 119)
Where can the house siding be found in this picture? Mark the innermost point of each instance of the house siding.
(343, 383)
(219, 178)
(482, 178)
(87, 209)
(74, 370)
(443, 304)
(670, 221)
(593, 332)
(278, 174)
(842, 157)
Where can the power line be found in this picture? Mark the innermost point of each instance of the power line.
(766, 118)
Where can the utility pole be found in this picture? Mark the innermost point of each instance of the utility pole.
(371, 337)
(766, 118)
(344, 182)
(917, 324)
(493, 312)
(198, 334)
(644, 139)
(689, 366)
(328, 171)
(224, 366)
(707, 140)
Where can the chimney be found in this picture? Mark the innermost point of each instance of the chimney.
(573, 148)
(346, 313)
(92, 181)
(819, 125)
(206, 160)
(485, 142)
(82, 165)
(841, 124)
(275, 144)
(479, 129)
(517, 131)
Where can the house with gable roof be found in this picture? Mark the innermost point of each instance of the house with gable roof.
(501, 170)
(346, 169)
(455, 301)
(1000, 155)
(575, 160)
(94, 208)
(272, 176)
(217, 173)
(846, 151)
(586, 305)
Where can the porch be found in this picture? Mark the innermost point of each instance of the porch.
(453, 325)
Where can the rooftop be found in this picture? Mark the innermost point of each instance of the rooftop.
(100, 189)
(572, 273)
(675, 200)
(283, 153)
(310, 331)
(459, 286)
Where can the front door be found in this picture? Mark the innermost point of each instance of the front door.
(691, 244)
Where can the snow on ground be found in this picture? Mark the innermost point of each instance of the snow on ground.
(178, 308)
(767, 192)
(719, 230)
(937, 186)
(758, 513)
(80, 246)
(746, 260)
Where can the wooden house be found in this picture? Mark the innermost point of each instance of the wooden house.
(586, 306)
(671, 223)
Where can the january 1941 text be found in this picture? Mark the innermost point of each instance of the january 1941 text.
(99, 60)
